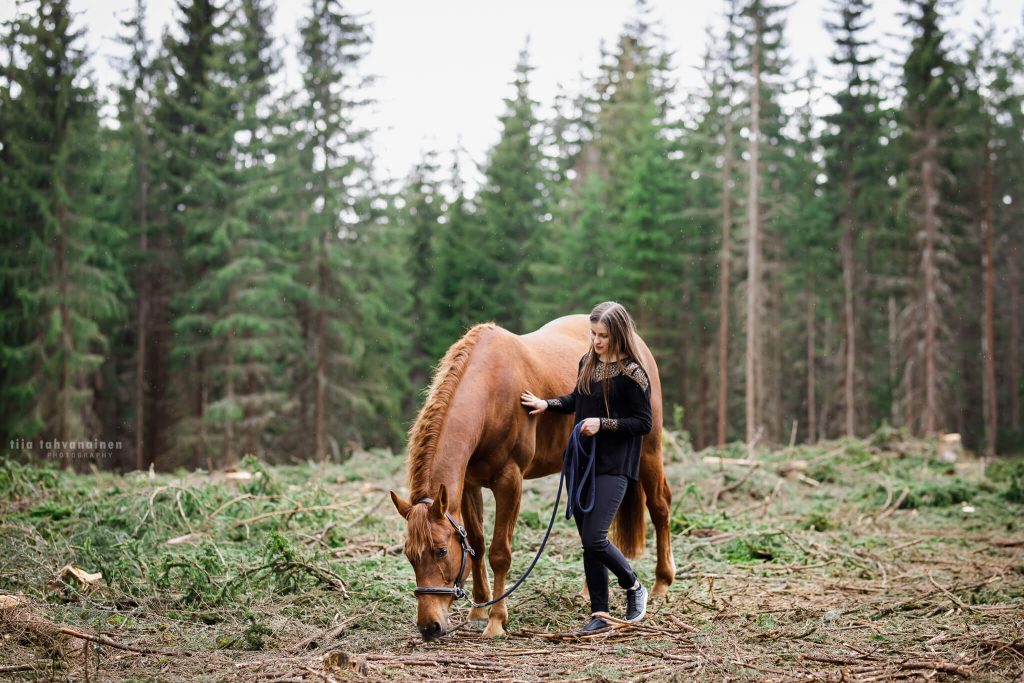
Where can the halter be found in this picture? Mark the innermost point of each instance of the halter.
(457, 589)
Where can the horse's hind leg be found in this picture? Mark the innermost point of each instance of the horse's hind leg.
(508, 489)
(659, 504)
(473, 507)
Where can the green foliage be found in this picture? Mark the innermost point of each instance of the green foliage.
(1015, 489)
(764, 547)
(817, 520)
(262, 483)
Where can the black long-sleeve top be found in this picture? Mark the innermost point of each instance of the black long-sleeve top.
(621, 433)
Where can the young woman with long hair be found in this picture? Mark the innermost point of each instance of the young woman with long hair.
(612, 398)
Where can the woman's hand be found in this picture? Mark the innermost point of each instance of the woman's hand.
(539, 405)
(591, 426)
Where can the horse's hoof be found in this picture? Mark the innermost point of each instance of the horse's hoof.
(660, 589)
(478, 624)
(478, 614)
(493, 630)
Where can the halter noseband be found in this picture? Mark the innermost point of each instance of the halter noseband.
(457, 589)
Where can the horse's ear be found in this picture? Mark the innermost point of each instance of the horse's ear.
(400, 505)
(440, 504)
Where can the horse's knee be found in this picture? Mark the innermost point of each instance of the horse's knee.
(500, 559)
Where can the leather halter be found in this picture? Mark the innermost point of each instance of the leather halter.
(457, 589)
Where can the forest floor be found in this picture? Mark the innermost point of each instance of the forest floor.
(863, 560)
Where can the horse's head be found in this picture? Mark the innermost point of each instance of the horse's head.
(439, 553)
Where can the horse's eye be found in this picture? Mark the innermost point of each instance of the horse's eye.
(441, 552)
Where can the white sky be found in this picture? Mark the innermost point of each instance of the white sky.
(444, 66)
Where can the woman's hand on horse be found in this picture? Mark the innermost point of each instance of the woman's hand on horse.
(539, 405)
(591, 426)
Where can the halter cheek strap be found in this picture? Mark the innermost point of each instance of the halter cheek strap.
(457, 589)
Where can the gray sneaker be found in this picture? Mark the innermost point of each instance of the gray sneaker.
(595, 625)
(636, 603)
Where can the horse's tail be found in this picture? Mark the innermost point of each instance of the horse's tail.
(628, 531)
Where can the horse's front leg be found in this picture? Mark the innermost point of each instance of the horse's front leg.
(507, 489)
(473, 517)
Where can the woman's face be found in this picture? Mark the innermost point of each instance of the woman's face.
(599, 337)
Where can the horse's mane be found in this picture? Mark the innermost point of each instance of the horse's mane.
(427, 427)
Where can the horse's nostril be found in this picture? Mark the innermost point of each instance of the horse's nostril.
(432, 631)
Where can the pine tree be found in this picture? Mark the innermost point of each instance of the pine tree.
(856, 169)
(243, 299)
(512, 205)
(423, 214)
(928, 80)
(640, 257)
(193, 128)
(328, 221)
(762, 24)
(808, 250)
(1009, 249)
(133, 136)
(58, 266)
(710, 156)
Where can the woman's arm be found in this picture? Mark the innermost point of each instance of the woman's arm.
(562, 404)
(637, 408)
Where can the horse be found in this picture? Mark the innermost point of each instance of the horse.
(472, 432)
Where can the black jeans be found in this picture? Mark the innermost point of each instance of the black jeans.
(600, 554)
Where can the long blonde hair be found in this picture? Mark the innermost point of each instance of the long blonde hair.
(623, 342)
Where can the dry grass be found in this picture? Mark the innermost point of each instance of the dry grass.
(862, 563)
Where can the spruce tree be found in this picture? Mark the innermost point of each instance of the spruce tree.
(762, 25)
(331, 186)
(58, 267)
(423, 213)
(133, 140)
(512, 204)
(927, 120)
(856, 167)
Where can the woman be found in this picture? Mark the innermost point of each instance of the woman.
(612, 398)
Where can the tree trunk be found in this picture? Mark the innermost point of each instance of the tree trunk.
(200, 412)
(229, 425)
(811, 406)
(989, 339)
(930, 191)
(847, 250)
(753, 246)
(66, 346)
(894, 409)
(143, 315)
(1015, 337)
(723, 286)
(320, 406)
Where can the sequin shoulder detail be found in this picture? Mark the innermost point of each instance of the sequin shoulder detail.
(636, 371)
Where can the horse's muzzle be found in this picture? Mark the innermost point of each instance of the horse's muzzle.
(433, 631)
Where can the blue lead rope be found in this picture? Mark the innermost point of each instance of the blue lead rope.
(575, 481)
(570, 467)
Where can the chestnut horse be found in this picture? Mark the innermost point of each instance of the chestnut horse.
(472, 432)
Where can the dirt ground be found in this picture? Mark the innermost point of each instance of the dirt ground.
(849, 561)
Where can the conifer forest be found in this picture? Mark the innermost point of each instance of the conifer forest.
(207, 264)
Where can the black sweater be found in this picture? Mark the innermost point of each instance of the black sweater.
(621, 433)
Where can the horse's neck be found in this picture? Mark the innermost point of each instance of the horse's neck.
(465, 426)
(457, 442)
